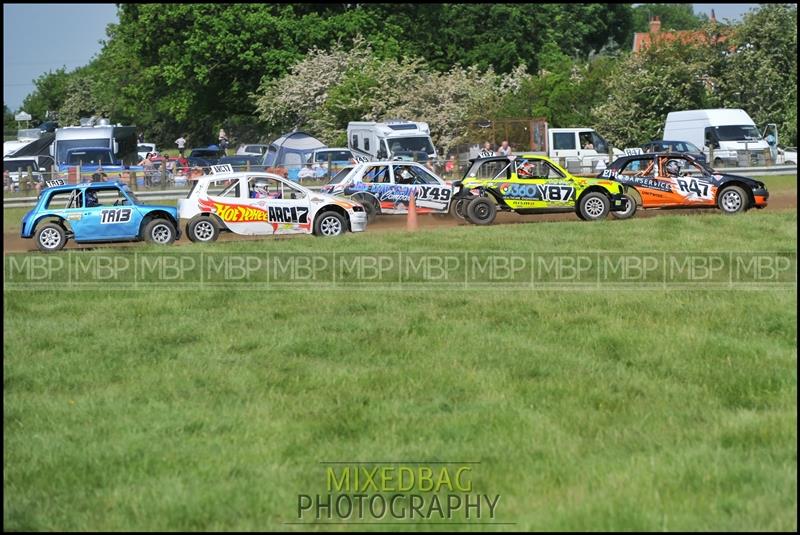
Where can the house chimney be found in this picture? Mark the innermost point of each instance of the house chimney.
(655, 24)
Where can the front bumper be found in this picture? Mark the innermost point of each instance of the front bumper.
(619, 203)
(358, 221)
(760, 196)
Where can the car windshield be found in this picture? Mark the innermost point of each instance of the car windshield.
(91, 157)
(692, 148)
(338, 177)
(410, 144)
(332, 155)
(738, 133)
(65, 145)
(19, 166)
(130, 194)
(204, 153)
(599, 143)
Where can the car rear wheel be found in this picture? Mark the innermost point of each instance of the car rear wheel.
(594, 206)
(159, 231)
(51, 237)
(630, 209)
(481, 211)
(202, 229)
(330, 224)
(732, 200)
(370, 206)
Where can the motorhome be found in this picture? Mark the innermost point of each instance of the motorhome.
(119, 140)
(397, 139)
(726, 135)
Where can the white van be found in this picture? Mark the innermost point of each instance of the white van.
(723, 132)
(391, 140)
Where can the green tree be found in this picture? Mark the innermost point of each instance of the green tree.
(760, 73)
(672, 17)
(644, 87)
(49, 94)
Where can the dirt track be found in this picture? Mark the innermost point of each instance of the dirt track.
(779, 202)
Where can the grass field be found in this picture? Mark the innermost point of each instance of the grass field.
(587, 409)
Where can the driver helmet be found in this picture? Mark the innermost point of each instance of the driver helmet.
(673, 169)
(91, 199)
(526, 170)
(404, 175)
(260, 189)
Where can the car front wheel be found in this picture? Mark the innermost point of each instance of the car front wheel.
(160, 231)
(732, 200)
(51, 237)
(330, 224)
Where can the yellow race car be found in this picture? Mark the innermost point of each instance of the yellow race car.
(532, 184)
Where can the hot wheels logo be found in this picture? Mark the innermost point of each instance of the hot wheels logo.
(234, 213)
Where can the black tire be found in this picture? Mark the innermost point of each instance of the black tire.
(50, 238)
(202, 229)
(481, 211)
(458, 206)
(330, 224)
(594, 206)
(370, 206)
(629, 211)
(732, 200)
(160, 231)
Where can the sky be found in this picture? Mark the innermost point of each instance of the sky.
(77, 29)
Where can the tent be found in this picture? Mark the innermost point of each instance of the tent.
(291, 151)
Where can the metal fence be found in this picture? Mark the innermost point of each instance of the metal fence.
(161, 183)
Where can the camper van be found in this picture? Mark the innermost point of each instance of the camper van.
(119, 142)
(406, 140)
(724, 134)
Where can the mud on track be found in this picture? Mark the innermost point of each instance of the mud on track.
(779, 202)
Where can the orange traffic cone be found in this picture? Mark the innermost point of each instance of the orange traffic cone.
(411, 220)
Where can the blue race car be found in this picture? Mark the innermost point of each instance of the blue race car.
(96, 212)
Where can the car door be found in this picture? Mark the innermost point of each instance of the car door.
(538, 185)
(693, 186)
(431, 193)
(273, 206)
(105, 220)
(376, 180)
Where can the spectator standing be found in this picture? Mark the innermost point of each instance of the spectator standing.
(141, 137)
(450, 165)
(431, 166)
(181, 143)
(486, 151)
(223, 140)
(505, 149)
(149, 169)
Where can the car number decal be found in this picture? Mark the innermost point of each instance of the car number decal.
(693, 186)
(433, 193)
(112, 216)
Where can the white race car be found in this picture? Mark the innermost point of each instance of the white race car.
(386, 187)
(260, 203)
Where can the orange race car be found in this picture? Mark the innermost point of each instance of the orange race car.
(673, 180)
